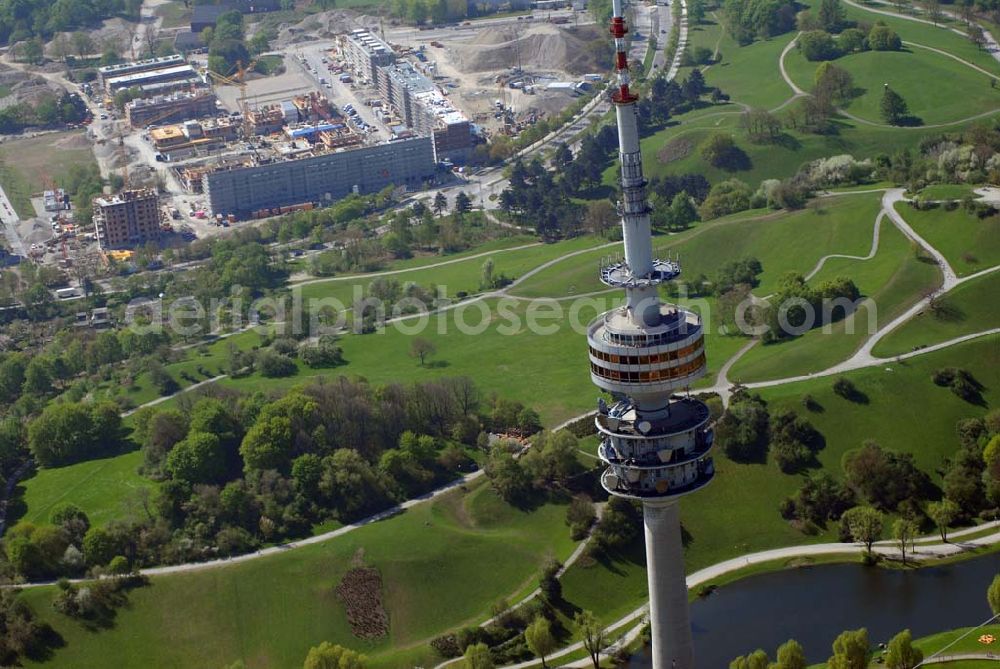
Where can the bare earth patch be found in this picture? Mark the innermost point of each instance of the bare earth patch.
(361, 592)
(675, 149)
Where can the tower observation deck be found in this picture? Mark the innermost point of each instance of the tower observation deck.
(656, 445)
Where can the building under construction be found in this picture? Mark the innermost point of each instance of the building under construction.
(171, 108)
(422, 107)
(128, 219)
(305, 169)
(365, 54)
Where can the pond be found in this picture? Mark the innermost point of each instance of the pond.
(815, 604)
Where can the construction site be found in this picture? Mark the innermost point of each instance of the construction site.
(358, 105)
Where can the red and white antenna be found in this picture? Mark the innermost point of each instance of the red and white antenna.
(618, 31)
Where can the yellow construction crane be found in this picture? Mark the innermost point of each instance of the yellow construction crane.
(239, 79)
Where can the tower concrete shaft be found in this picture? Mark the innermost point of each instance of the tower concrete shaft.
(668, 593)
(656, 445)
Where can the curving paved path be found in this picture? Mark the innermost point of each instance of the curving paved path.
(871, 254)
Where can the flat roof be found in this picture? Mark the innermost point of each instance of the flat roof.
(149, 62)
(368, 42)
(150, 74)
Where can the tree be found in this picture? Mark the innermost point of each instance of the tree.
(592, 631)
(832, 15)
(883, 38)
(599, 217)
(333, 656)
(755, 660)
(901, 654)
(865, 525)
(506, 475)
(993, 595)
(933, 9)
(850, 650)
(487, 280)
(817, 45)
(760, 125)
(422, 349)
(892, 107)
(580, 515)
(562, 156)
(477, 656)
(718, 149)
(462, 203)
(82, 43)
(694, 85)
(32, 51)
(743, 429)
(197, 459)
(682, 211)
(903, 531)
(833, 83)
(791, 656)
(62, 434)
(943, 513)
(885, 478)
(976, 35)
(440, 203)
(99, 546)
(268, 444)
(538, 636)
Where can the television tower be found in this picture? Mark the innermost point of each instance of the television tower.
(656, 445)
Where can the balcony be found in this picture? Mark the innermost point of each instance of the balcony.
(617, 486)
(619, 274)
(621, 420)
(651, 459)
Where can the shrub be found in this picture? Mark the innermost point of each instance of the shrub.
(274, 365)
(883, 38)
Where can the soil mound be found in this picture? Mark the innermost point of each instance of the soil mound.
(542, 47)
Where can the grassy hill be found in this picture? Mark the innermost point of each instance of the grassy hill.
(442, 565)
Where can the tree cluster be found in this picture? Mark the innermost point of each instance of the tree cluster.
(49, 111)
(748, 20)
(797, 307)
(28, 18)
(548, 462)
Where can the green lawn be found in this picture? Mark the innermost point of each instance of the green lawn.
(969, 243)
(767, 160)
(442, 564)
(970, 644)
(464, 276)
(972, 307)
(958, 91)
(894, 279)
(782, 241)
(106, 489)
(749, 74)
(737, 512)
(928, 35)
(946, 191)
